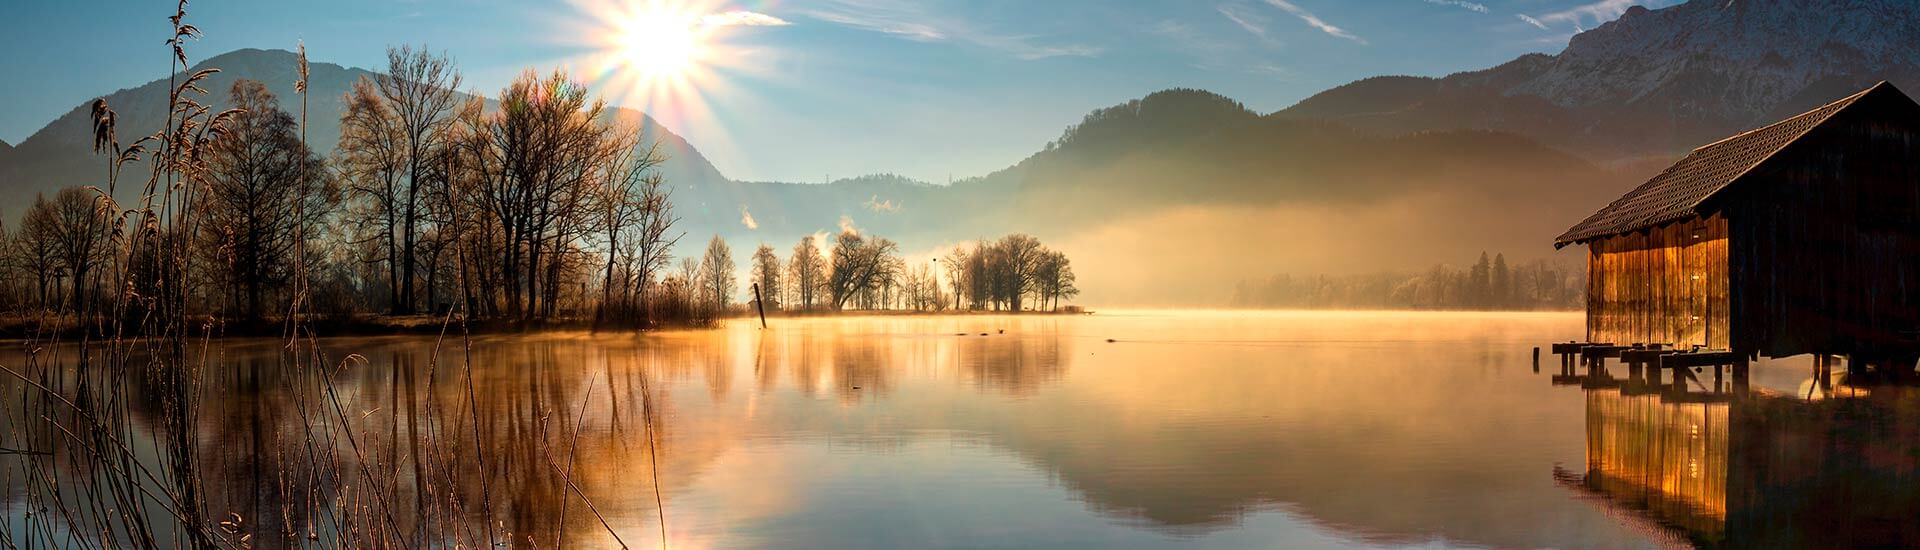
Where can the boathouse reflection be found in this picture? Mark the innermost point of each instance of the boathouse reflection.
(1756, 469)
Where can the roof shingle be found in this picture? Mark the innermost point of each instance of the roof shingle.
(1677, 192)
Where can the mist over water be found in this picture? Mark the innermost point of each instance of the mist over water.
(1191, 428)
(1144, 428)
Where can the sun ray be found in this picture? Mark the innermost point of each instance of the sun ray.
(663, 57)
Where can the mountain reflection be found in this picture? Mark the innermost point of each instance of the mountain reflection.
(1227, 429)
(1759, 470)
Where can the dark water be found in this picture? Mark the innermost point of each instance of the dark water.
(1204, 429)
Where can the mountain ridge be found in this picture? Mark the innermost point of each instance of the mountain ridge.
(1654, 82)
(60, 154)
(1407, 170)
(1117, 170)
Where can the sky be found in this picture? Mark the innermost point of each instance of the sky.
(807, 90)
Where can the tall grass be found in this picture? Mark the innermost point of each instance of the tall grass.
(79, 469)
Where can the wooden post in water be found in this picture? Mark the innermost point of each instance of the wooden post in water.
(761, 305)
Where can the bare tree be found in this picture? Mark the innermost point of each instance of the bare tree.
(652, 239)
(806, 272)
(419, 88)
(859, 265)
(35, 248)
(79, 233)
(1021, 254)
(766, 273)
(716, 272)
(373, 161)
(1055, 280)
(956, 262)
(690, 272)
(623, 200)
(533, 167)
(259, 174)
(980, 276)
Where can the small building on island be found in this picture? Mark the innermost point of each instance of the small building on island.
(1799, 237)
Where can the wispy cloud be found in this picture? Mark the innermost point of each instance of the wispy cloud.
(1531, 21)
(1462, 4)
(846, 225)
(1315, 21)
(1031, 52)
(1209, 50)
(743, 18)
(1244, 20)
(746, 218)
(905, 29)
(1595, 13)
(1270, 70)
(913, 21)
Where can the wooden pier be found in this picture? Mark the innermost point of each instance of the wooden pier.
(1653, 368)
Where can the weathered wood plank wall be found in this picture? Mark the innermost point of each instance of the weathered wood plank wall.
(1666, 285)
(1826, 255)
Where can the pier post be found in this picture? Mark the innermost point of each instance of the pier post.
(760, 304)
(1740, 374)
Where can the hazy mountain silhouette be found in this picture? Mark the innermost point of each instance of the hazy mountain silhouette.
(1171, 151)
(1137, 189)
(1390, 172)
(1195, 149)
(1655, 82)
(61, 154)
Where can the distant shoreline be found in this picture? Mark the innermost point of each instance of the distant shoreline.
(17, 327)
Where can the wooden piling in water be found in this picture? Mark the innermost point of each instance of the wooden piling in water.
(760, 304)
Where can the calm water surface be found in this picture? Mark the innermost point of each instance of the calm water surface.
(1129, 429)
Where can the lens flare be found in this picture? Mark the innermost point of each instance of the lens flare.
(664, 57)
(660, 44)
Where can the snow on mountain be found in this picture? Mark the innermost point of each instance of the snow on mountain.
(1655, 82)
(1734, 57)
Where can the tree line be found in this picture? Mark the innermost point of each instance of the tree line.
(857, 271)
(540, 208)
(1488, 284)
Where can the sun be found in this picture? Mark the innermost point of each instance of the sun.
(657, 42)
(670, 59)
(658, 55)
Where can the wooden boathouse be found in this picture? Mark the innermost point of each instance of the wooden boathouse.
(1799, 237)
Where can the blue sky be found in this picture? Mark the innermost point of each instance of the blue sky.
(802, 90)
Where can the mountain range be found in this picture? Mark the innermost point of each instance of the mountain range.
(61, 154)
(1655, 82)
(1394, 172)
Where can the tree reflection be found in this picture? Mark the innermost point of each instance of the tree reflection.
(404, 433)
(1017, 365)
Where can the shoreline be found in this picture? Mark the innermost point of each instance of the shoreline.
(65, 329)
(27, 329)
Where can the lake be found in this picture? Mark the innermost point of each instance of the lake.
(1223, 429)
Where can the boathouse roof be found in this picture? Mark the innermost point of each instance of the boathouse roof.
(1677, 193)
